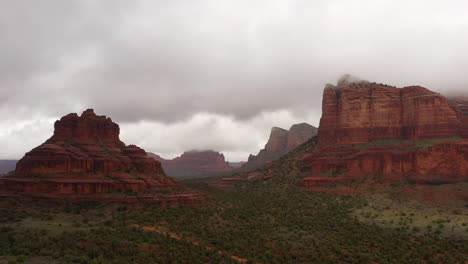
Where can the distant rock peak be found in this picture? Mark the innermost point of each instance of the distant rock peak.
(280, 142)
(278, 139)
(195, 163)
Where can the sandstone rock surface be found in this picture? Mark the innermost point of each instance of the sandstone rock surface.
(393, 134)
(193, 164)
(85, 160)
(360, 112)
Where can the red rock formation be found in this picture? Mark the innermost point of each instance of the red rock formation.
(298, 134)
(85, 159)
(261, 160)
(440, 163)
(278, 140)
(195, 164)
(357, 113)
(461, 105)
(281, 141)
(410, 134)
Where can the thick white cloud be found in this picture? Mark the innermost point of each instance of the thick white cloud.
(172, 65)
(19, 136)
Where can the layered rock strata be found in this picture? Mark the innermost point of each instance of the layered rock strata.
(393, 134)
(86, 160)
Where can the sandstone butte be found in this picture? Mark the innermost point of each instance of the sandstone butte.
(194, 163)
(280, 142)
(408, 134)
(85, 160)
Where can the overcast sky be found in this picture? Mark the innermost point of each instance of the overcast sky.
(182, 75)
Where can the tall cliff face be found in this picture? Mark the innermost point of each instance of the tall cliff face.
(85, 159)
(461, 105)
(358, 113)
(397, 134)
(194, 164)
(278, 140)
(281, 141)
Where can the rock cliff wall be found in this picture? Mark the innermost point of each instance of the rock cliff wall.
(395, 134)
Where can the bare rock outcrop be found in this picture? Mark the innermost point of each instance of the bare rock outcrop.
(395, 134)
(85, 160)
(280, 142)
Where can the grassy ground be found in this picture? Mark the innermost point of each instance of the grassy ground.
(414, 215)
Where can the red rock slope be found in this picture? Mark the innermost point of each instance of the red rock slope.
(370, 129)
(195, 164)
(85, 160)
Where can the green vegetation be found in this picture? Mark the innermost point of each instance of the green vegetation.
(394, 143)
(74, 238)
(109, 177)
(424, 145)
(262, 222)
(70, 142)
(107, 152)
(412, 215)
(419, 145)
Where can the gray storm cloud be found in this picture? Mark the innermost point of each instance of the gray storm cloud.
(156, 66)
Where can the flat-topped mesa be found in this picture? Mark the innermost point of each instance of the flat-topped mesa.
(85, 160)
(194, 164)
(360, 112)
(397, 134)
